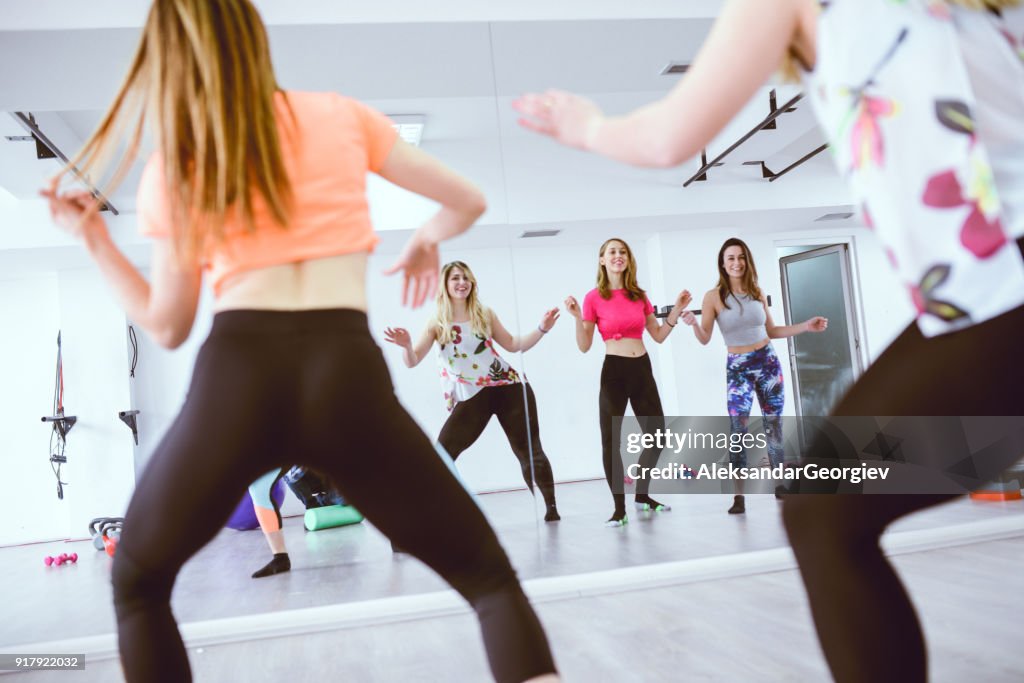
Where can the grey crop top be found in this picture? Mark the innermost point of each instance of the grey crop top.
(742, 324)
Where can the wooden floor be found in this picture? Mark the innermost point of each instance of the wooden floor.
(356, 563)
(750, 629)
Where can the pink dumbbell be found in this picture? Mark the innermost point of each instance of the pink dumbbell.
(60, 559)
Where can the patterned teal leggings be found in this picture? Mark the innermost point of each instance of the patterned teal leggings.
(758, 372)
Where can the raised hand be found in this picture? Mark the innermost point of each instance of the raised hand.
(684, 299)
(419, 264)
(549, 319)
(573, 307)
(816, 324)
(76, 212)
(569, 119)
(399, 336)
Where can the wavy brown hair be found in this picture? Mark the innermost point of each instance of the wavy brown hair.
(202, 77)
(629, 284)
(750, 285)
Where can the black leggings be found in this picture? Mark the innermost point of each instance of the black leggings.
(625, 379)
(469, 418)
(866, 623)
(272, 389)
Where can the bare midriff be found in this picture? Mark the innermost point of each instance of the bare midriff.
(630, 348)
(331, 282)
(750, 347)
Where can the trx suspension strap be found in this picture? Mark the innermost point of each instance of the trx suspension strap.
(62, 424)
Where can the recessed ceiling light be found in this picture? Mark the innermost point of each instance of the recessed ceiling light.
(409, 127)
(675, 68)
(835, 216)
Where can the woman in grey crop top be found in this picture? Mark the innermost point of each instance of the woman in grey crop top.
(752, 368)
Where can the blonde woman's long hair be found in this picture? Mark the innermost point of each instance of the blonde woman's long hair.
(203, 79)
(479, 315)
(629, 283)
(792, 64)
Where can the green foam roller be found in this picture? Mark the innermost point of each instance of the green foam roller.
(330, 516)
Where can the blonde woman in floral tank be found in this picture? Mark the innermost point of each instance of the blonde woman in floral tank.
(478, 383)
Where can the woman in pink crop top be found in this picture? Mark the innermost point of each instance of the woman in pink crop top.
(478, 383)
(265, 189)
(621, 311)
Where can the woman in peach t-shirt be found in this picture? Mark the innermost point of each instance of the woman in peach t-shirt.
(264, 190)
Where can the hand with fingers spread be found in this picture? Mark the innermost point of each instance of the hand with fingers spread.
(570, 119)
(549, 320)
(573, 307)
(399, 336)
(419, 263)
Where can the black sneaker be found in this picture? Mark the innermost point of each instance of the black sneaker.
(738, 505)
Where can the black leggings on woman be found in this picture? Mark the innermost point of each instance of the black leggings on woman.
(866, 623)
(271, 389)
(469, 418)
(625, 379)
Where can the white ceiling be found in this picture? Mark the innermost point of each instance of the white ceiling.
(460, 67)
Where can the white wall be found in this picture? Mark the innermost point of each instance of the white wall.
(100, 467)
(100, 449)
(29, 507)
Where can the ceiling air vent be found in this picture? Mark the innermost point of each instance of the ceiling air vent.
(674, 68)
(539, 233)
(835, 216)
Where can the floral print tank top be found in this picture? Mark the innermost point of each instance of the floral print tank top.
(470, 363)
(898, 87)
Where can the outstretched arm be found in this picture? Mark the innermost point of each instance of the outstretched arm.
(523, 342)
(166, 307)
(745, 47)
(815, 324)
(461, 204)
(413, 354)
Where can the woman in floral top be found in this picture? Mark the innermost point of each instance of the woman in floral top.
(478, 383)
(923, 101)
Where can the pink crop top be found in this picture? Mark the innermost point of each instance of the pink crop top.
(617, 317)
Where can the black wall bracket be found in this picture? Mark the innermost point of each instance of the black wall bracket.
(772, 176)
(767, 124)
(128, 417)
(62, 423)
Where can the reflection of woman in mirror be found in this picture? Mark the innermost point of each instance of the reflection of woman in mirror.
(923, 103)
(621, 311)
(268, 514)
(479, 383)
(264, 190)
(752, 368)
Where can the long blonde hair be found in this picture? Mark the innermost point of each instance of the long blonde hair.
(629, 283)
(792, 64)
(479, 315)
(202, 75)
